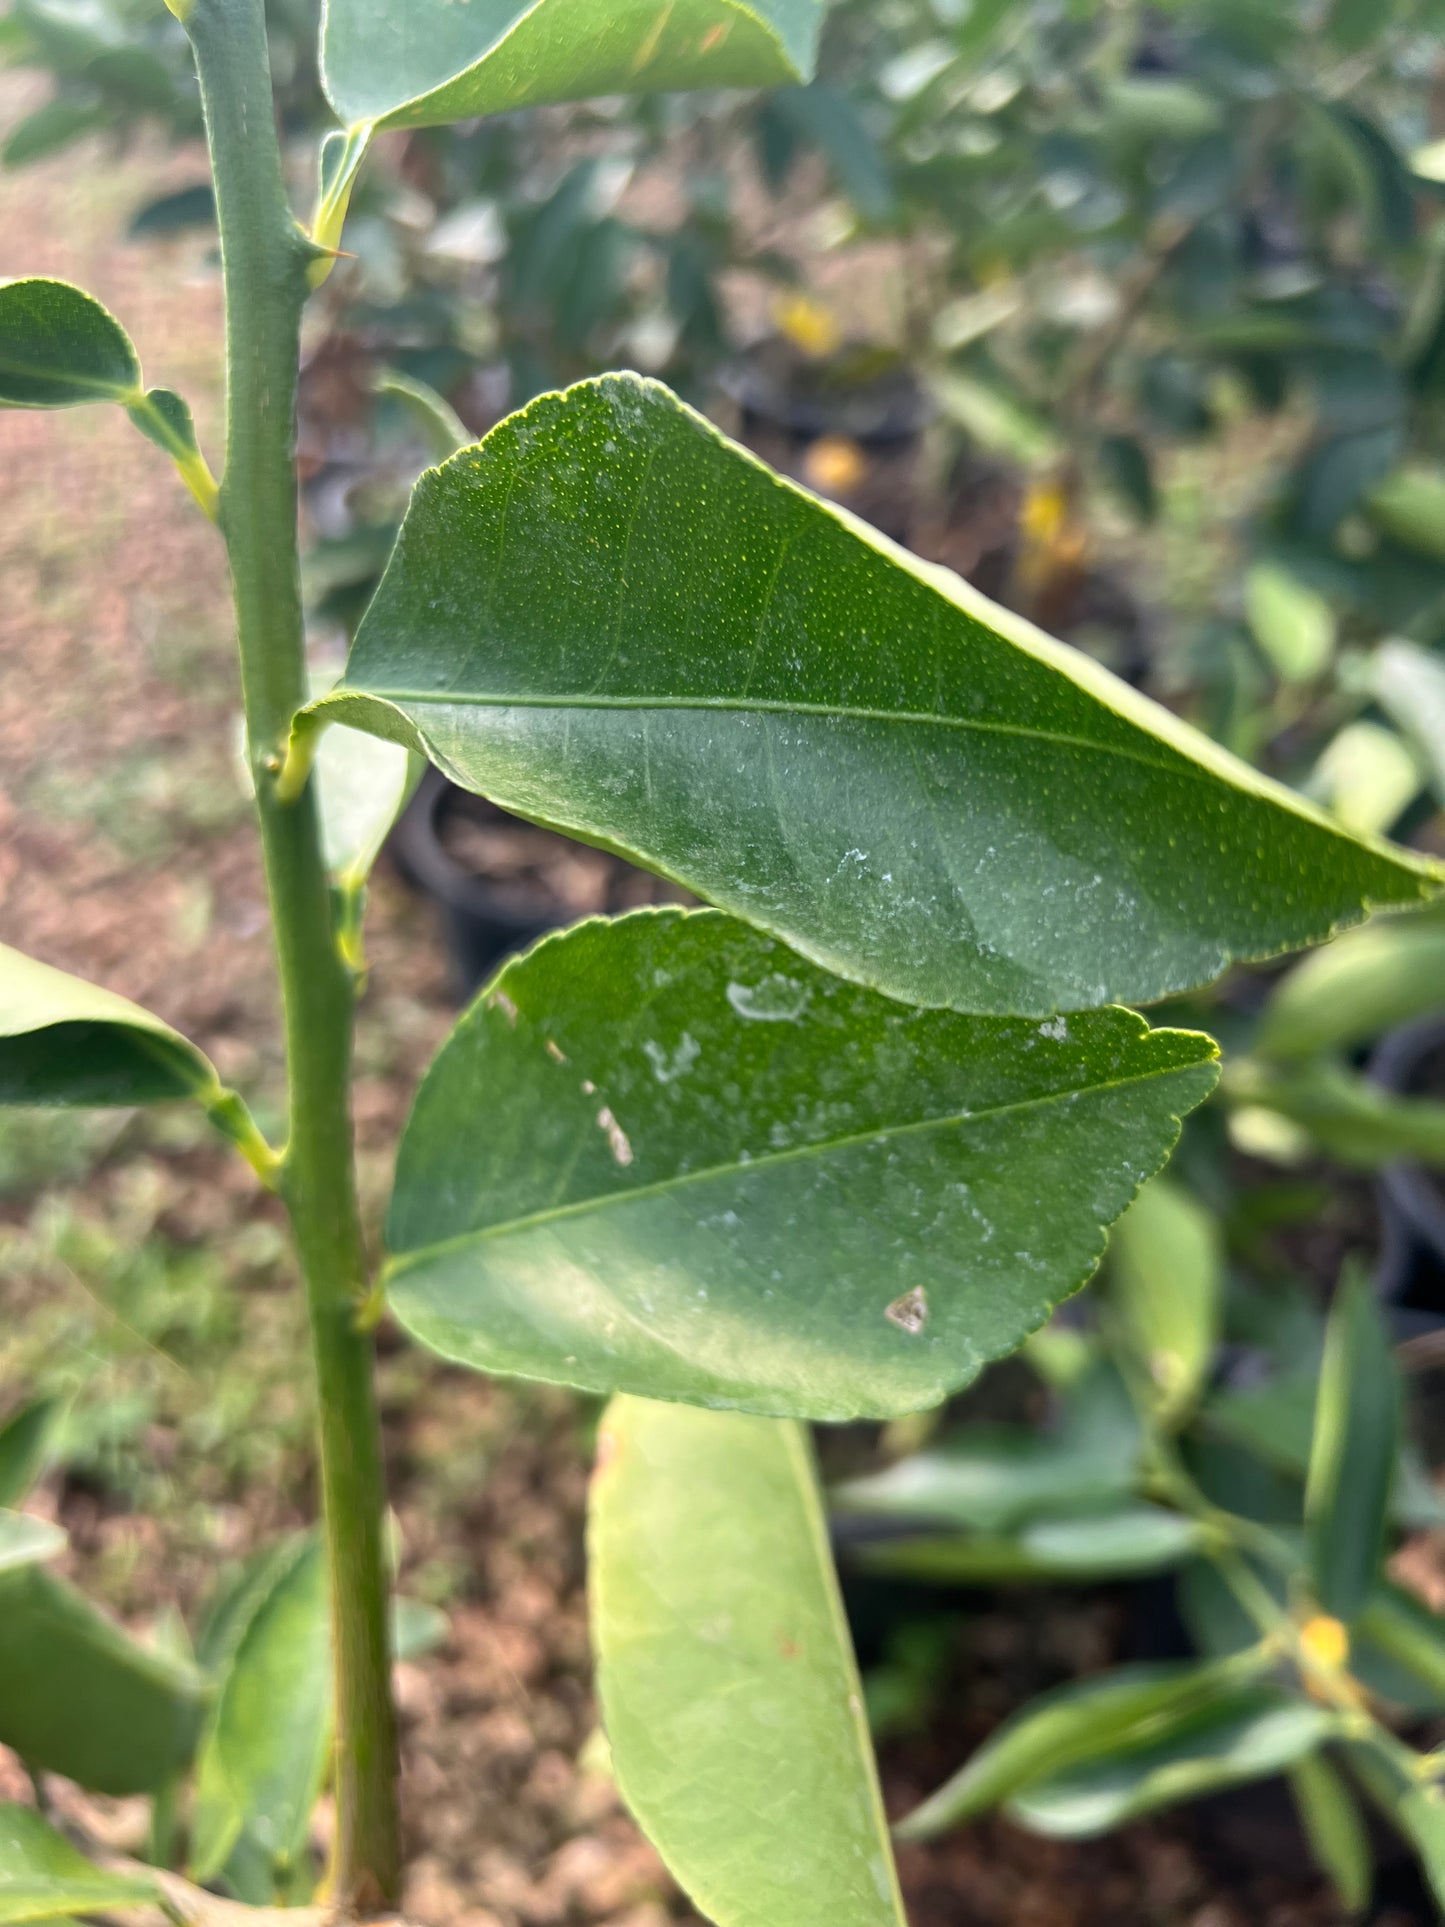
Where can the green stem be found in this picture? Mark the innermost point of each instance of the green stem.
(266, 259)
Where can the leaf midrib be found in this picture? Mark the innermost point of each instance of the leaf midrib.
(404, 1261)
(441, 699)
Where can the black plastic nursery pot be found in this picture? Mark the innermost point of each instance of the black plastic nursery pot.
(1410, 1275)
(499, 883)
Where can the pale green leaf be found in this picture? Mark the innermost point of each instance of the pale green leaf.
(64, 1041)
(1366, 775)
(1166, 1286)
(1121, 1542)
(264, 1759)
(1353, 1453)
(1409, 683)
(1356, 989)
(1292, 622)
(42, 1877)
(25, 1541)
(418, 63)
(59, 347)
(675, 653)
(78, 1696)
(722, 1175)
(1059, 1729)
(728, 1686)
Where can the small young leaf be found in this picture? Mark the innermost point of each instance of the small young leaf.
(59, 348)
(728, 1686)
(682, 656)
(25, 1541)
(1166, 1285)
(1335, 1829)
(1421, 1814)
(26, 1440)
(1353, 1453)
(441, 426)
(64, 1041)
(703, 1137)
(1058, 1729)
(264, 1758)
(1246, 1735)
(419, 63)
(1122, 1543)
(78, 1696)
(42, 1877)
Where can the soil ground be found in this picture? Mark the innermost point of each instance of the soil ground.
(139, 1273)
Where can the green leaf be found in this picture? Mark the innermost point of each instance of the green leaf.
(709, 1182)
(1292, 623)
(59, 347)
(676, 653)
(1335, 1829)
(363, 785)
(1357, 988)
(1421, 1813)
(1166, 1286)
(25, 1541)
(1125, 1542)
(419, 63)
(1353, 1454)
(26, 1440)
(1247, 1735)
(64, 1041)
(78, 1696)
(1409, 683)
(1059, 1729)
(728, 1686)
(431, 413)
(994, 1478)
(1409, 507)
(265, 1755)
(42, 1877)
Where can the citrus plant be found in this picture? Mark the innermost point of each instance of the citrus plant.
(819, 1151)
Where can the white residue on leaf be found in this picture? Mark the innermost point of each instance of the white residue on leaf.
(910, 1312)
(1058, 1030)
(776, 1000)
(499, 1000)
(617, 1140)
(555, 1051)
(667, 1066)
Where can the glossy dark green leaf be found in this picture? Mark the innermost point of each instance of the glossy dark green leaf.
(991, 1479)
(1166, 1289)
(265, 1754)
(42, 1877)
(1335, 1829)
(723, 1175)
(59, 347)
(1122, 1542)
(725, 1671)
(1059, 1729)
(78, 1696)
(26, 1441)
(1354, 1452)
(1246, 1735)
(64, 1041)
(418, 63)
(676, 653)
(25, 1541)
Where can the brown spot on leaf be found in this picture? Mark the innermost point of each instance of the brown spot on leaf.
(910, 1312)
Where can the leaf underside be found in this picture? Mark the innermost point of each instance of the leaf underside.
(64, 1041)
(419, 63)
(725, 1176)
(728, 1687)
(609, 618)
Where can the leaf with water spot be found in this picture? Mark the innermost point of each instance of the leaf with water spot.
(608, 618)
(666, 1155)
(419, 63)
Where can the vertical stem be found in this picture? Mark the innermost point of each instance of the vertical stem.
(265, 258)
